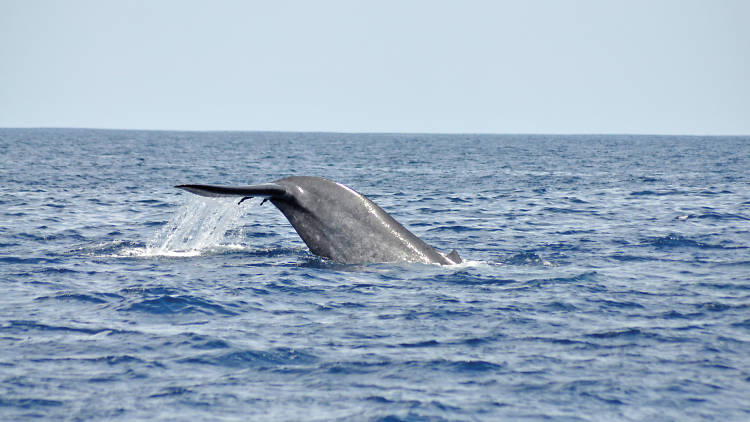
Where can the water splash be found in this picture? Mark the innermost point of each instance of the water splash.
(202, 225)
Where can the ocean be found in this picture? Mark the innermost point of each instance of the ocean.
(605, 277)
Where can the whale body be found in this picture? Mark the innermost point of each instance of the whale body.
(336, 222)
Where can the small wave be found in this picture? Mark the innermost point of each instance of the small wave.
(426, 343)
(658, 193)
(56, 270)
(618, 333)
(44, 236)
(558, 210)
(255, 358)
(717, 192)
(606, 304)
(428, 210)
(583, 277)
(157, 291)
(19, 260)
(454, 228)
(72, 297)
(172, 392)
(563, 342)
(458, 365)
(631, 258)
(116, 359)
(743, 263)
(458, 200)
(526, 258)
(28, 403)
(719, 307)
(202, 342)
(575, 231)
(636, 334)
(111, 360)
(671, 315)
(741, 285)
(354, 367)
(723, 216)
(184, 304)
(344, 305)
(155, 203)
(23, 326)
(468, 277)
(559, 307)
(477, 341)
(673, 240)
(742, 324)
(575, 200)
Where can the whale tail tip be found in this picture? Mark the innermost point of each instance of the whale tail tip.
(269, 190)
(453, 256)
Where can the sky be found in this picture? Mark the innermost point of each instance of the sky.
(526, 66)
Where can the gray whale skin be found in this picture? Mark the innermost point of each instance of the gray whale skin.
(337, 222)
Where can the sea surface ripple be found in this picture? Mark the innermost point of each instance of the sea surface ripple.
(606, 278)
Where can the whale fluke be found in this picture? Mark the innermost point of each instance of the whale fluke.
(336, 222)
(270, 190)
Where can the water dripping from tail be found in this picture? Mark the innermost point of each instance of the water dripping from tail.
(201, 226)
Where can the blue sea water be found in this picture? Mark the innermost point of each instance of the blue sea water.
(606, 278)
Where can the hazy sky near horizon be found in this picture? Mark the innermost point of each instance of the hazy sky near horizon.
(535, 66)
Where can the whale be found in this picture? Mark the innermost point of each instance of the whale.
(336, 222)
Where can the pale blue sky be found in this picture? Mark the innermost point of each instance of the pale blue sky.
(664, 67)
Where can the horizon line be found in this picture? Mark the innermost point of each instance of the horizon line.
(344, 132)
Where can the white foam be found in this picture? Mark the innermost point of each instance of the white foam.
(467, 263)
